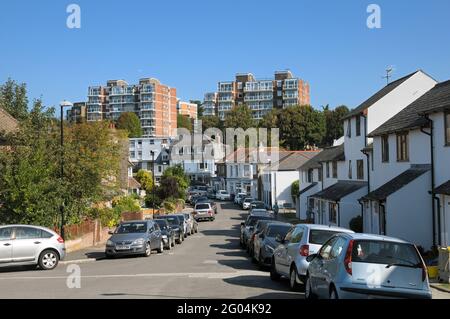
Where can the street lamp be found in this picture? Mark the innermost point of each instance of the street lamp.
(153, 177)
(63, 104)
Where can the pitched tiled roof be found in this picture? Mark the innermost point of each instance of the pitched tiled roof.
(409, 118)
(334, 153)
(378, 96)
(397, 183)
(7, 122)
(292, 160)
(341, 189)
(133, 183)
(307, 188)
(443, 189)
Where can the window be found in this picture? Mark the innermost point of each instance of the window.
(447, 127)
(360, 169)
(332, 212)
(297, 235)
(358, 125)
(311, 204)
(335, 169)
(320, 173)
(310, 175)
(5, 233)
(385, 149)
(159, 168)
(132, 154)
(350, 169)
(349, 128)
(402, 147)
(29, 233)
(325, 251)
(202, 165)
(338, 247)
(328, 169)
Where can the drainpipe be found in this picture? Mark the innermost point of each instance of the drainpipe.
(433, 195)
(365, 153)
(338, 213)
(384, 221)
(362, 213)
(321, 174)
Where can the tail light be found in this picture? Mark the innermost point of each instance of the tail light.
(210, 212)
(348, 258)
(60, 240)
(304, 250)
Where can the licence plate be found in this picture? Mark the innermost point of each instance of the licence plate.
(122, 247)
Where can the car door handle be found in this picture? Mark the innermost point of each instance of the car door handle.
(37, 242)
(7, 244)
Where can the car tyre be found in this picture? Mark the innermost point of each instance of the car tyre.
(148, 250)
(273, 272)
(48, 259)
(293, 279)
(308, 289)
(161, 247)
(173, 242)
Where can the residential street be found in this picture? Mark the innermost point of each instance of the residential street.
(209, 264)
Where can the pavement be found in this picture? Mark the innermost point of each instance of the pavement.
(209, 264)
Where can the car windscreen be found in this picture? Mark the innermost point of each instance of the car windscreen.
(161, 223)
(128, 228)
(202, 206)
(320, 236)
(275, 230)
(252, 220)
(384, 252)
(248, 200)
(172, 220)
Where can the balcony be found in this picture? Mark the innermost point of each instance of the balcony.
(147, 106)
(147, 115)
(226, 99)
(259, 97)
(287, 96)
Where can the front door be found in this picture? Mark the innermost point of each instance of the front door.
(5, 245)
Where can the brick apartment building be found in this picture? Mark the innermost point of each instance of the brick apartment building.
(77, 113)
(154, 103)
(187, 109)
(260, 95)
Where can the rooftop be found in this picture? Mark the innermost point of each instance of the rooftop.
(334, 153)
(341, 189)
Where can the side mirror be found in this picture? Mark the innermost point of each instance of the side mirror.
(311, 257)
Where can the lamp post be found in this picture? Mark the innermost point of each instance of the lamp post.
(153, 177)
(63, 104)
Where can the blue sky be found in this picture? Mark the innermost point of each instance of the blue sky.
(192, 45)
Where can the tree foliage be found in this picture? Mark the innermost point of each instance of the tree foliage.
(239, 116)
(295, 189)
(333, 123)
(145, 178)
(130, 122)
(211, 121)
(13, 99)
(184, 121)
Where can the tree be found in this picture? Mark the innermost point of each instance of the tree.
(13, 99)
(199, 107)
(333, 123)
(270, 119)
(295, 189)
(210, 121)
(169, 188)
(145, 178)
(301, 126)
(130, 122)
(184, 121)
(178, 173)
(239, 116)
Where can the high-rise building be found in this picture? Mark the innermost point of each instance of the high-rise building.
(210, 104)
(77, 113)
(154, 103)
(260, 95)
(187, 109)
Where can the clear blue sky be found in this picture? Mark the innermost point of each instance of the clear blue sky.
(192, 45)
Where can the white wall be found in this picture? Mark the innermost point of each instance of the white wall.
(349, 207)
(419, 153)
(282, 183)
(352, 148)
(409, 213)
(445, 220)
(303, 201)
(442, 152)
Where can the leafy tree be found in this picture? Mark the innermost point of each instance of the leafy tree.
(145, 178)
(178, 173)
(211, 121)
(13, 99)
(130, 122)
(239, 116)
(270, 119)
(356, 224)
(184, 121)
(301, 126)
(169, 187)
(333, 123)
(199, 107)
(295, 189)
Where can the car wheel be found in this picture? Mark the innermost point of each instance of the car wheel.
(173, 242)
(196, 229)
(308, 289)
(109, 256)
(148, 250)
(169, 245)
(161, 247)
(293, 279)
(48, 259)
(273, 272)
(183, 237)
(333, 293)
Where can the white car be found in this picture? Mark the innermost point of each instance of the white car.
(223, 195)
(239, 197)
(246, 202)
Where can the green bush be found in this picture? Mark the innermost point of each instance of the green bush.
(356, 224)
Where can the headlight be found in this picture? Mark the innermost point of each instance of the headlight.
(139, 241)
(269, 249)
(109, 243)
(164, 236)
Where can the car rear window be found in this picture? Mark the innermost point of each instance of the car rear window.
(252, 220)
(162, 223)
(384, 252)
(248, 200)
(127, 228)
(275, 230)
(320, 236)
(202, 206)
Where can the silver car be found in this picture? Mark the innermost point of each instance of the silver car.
(264, 243)
(356, 266)
(289, 258)
(30, 245)
(203, 211)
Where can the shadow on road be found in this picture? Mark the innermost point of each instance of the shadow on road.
(220, 232)
(232, 244)
(122, 294)
(264, 282)
(7, 269)
(98, 255)
(278, 295)
(239, 253)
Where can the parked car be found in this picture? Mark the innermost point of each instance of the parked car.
(193, 225)
(289, 258)
(365, 266)
(203, 211)
(238, 197)
(187, 226)
(211, 194)
(264, 243)
(167, 233)
(177, 225)
(138, 237)
(257, 204)
(207, 200)
(246, 202)
(258, 211)
(30, 245)
(199, 198)
(259, 227)
(223, 195)
(248, 226)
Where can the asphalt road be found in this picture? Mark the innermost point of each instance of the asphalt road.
(209, 264)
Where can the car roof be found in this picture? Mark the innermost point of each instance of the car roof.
(135, 221)
(360, 236)
(33, 226)
(326, 227)
(278, 223)
(261, 214)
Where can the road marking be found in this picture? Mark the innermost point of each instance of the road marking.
(210, 262)
(211, 275)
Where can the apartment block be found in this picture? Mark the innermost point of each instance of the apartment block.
(210, 104)
(261, 95)
(154, 103)
(187, 109)
(77, 114)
